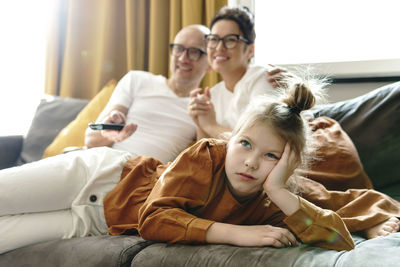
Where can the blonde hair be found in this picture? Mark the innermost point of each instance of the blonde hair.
(284, 115)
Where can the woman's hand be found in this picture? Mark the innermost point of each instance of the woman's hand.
(208, 121)
(199, 104)
(250, 235)
(201, 109)
(276, 74)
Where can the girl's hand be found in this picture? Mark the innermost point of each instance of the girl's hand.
(285, 167)
(275, 184)
(250, 235)
(264, 235)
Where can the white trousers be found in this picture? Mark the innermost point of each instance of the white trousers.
(57, 197)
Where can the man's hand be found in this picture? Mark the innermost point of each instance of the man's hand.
(113, 114)
(117, 116)
(119, 136)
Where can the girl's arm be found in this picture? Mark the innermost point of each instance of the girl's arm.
(275, 184)
(320, 227)
(250, 235)
(168, 214)
(313, 225)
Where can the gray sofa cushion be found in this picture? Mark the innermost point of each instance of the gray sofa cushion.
(52, 115)
(10, 149)
(374, 252)
(94, 251)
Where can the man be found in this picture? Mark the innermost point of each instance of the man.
(153, 108)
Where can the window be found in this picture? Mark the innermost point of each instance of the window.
(342, 38)
(23, 24)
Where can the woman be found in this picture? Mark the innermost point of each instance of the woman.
(230, 47)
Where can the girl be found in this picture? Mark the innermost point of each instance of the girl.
(218, 192)
(338, 168)
(214, 192)
(230, 46)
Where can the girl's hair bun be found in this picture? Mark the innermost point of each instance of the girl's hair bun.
(303, 90)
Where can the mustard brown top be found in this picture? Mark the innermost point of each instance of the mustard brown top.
(177, 202)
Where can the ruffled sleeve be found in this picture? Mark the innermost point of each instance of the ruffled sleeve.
(319, 227)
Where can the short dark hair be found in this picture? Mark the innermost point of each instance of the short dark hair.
(242, 16)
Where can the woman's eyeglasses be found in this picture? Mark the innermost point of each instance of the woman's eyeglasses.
(192, 53)
(230, 41)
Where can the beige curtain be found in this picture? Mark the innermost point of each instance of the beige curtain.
(93, 41)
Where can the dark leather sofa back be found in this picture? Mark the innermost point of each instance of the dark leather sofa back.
(373, 123)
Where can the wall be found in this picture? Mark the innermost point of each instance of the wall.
(343, 91)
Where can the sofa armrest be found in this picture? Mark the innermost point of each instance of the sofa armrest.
(10, 149)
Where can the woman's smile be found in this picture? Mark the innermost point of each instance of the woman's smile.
(220, 58)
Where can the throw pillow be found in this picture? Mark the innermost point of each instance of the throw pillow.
(73, 135)
(52, 115)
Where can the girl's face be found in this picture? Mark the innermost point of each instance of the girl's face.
(250, 157)
(224, 60)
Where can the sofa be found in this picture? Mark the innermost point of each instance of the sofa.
(371, 120)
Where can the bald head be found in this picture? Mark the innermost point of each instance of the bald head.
(196, 31)
(203, 29)
(186, 74)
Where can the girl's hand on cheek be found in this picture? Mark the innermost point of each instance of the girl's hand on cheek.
(285, 167)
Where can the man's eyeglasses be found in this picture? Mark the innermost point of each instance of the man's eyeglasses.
(192, 53)
(230, 41)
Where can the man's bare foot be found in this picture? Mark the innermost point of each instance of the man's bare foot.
(389, 226)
